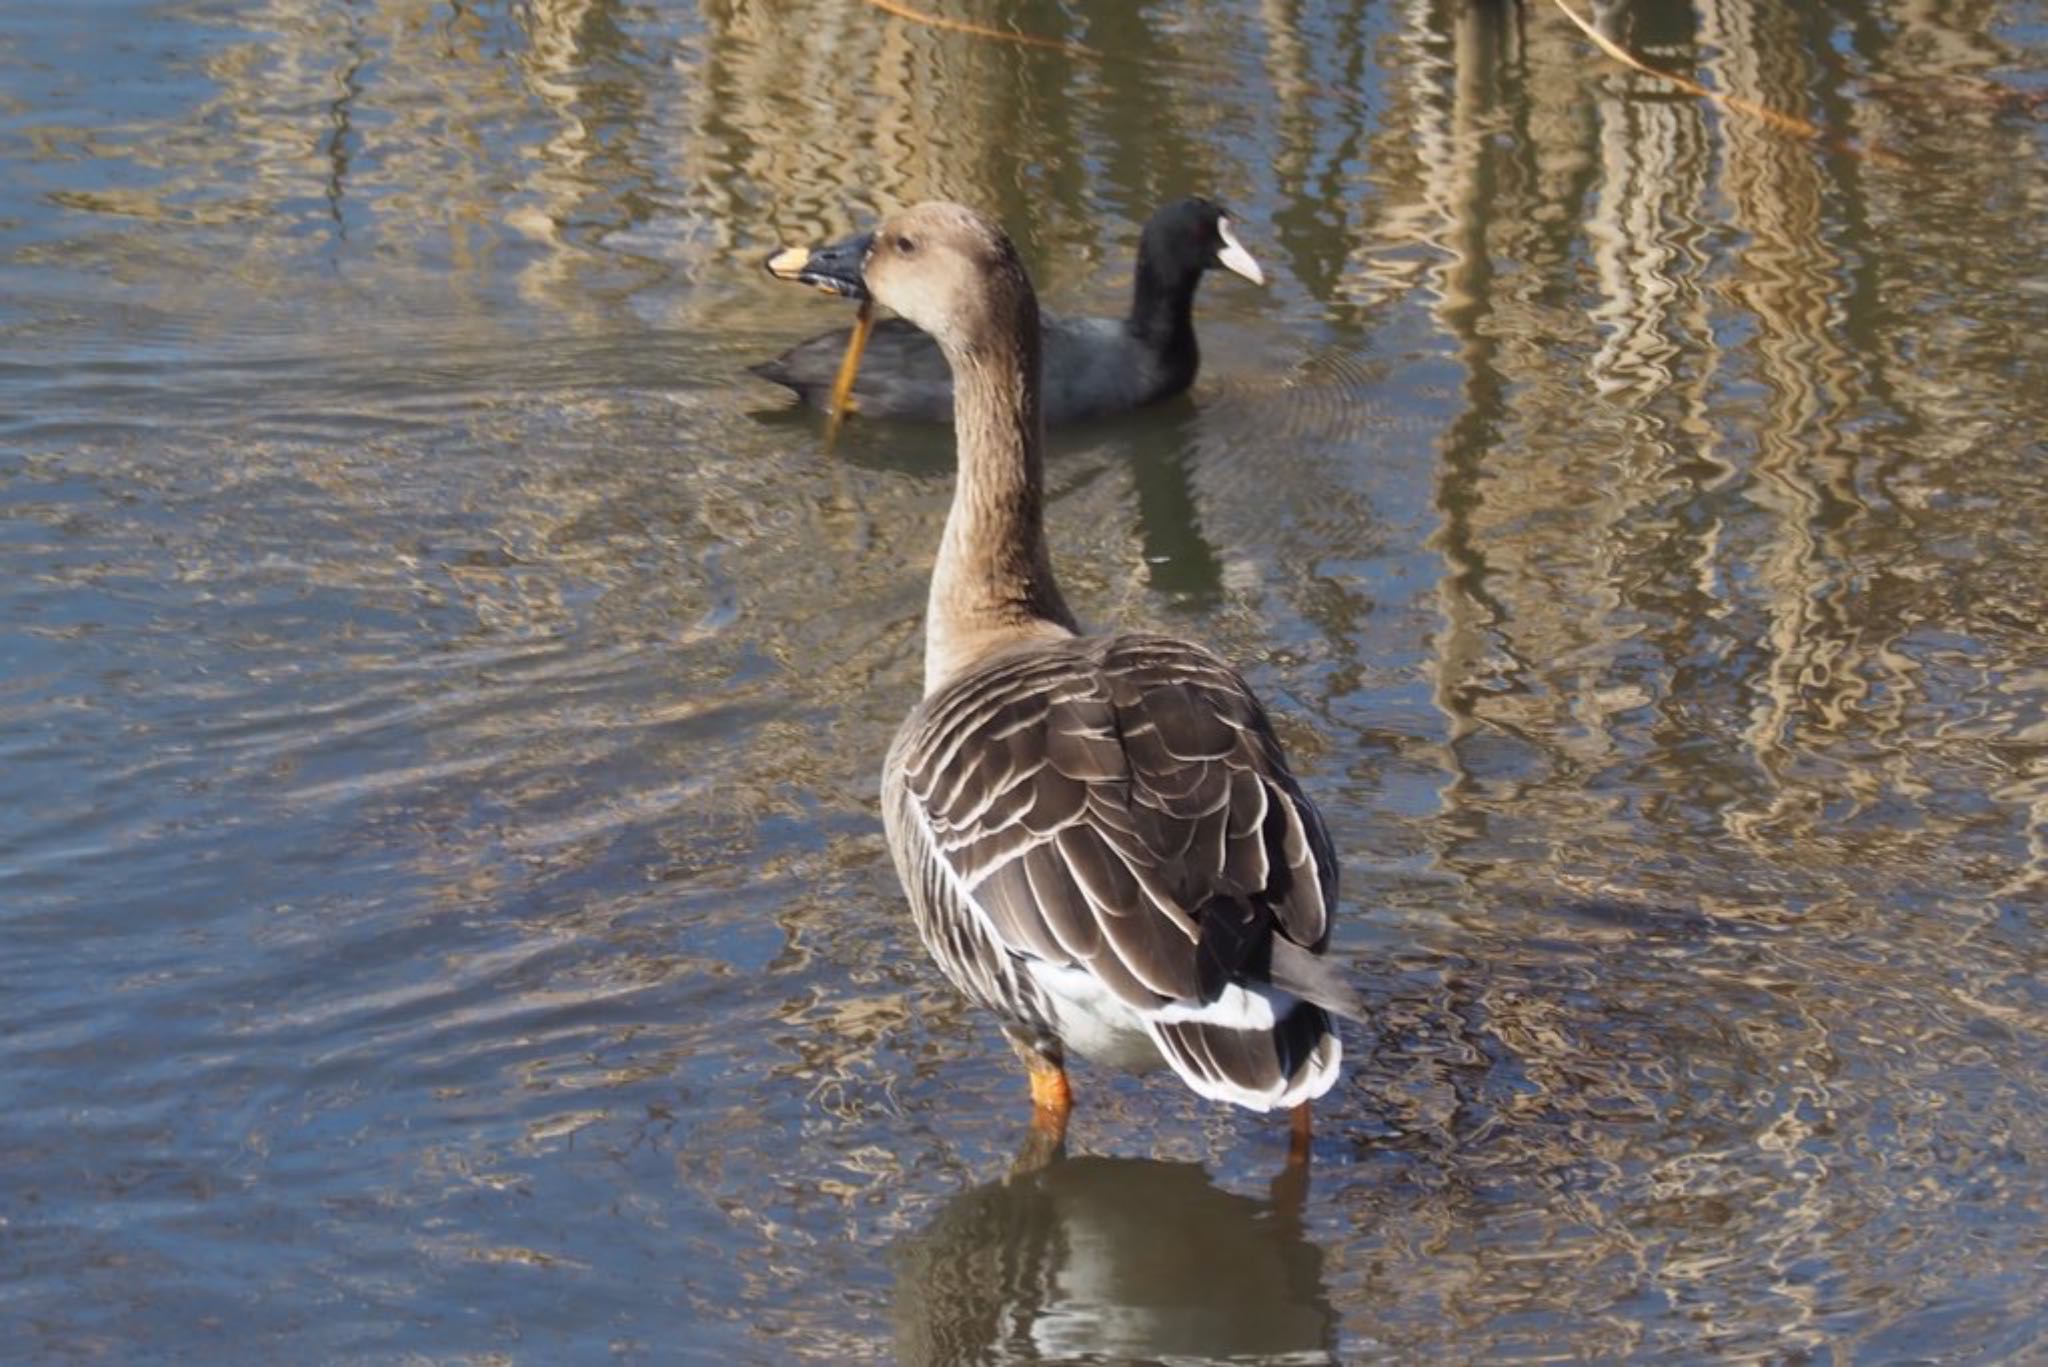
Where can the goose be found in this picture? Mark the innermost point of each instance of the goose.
(1094, 367)
(1098, 834)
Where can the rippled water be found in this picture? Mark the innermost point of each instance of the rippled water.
(442, 905)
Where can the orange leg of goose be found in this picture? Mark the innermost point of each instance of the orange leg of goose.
(1052, 1099)
(1300, 1130)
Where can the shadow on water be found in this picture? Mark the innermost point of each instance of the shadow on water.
(921, 449)
(1179, 561)
(1112, 1259)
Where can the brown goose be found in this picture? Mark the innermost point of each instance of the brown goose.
(1098, 834)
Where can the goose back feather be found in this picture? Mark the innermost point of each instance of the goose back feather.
(1106, 825)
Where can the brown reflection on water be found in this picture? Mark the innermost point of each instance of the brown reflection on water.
(1661, 625)
(1793, 284)
(1111, 1259)
(867, 116)
(1584, 480)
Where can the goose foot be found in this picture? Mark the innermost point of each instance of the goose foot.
(1289, 1188)
(1300, 1133)
(1052, 1097)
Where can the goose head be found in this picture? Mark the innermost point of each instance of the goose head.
(950, 271)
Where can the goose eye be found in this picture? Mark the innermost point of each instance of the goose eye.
(905, 246)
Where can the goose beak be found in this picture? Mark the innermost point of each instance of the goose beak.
(835, 269)
(1232, 257)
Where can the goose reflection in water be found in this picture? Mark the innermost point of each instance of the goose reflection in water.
(1114, 1259)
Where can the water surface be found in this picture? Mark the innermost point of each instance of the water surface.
(443, 910)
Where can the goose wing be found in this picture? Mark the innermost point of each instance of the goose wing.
(1116, 804)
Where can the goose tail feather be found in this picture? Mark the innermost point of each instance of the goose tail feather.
(1314, 978)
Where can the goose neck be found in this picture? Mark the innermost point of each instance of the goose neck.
(993, 584)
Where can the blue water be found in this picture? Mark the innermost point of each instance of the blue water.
(443, 910)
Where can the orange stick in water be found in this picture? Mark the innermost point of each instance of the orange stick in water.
(918, 16)
(849, 364)
(1787, 122)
